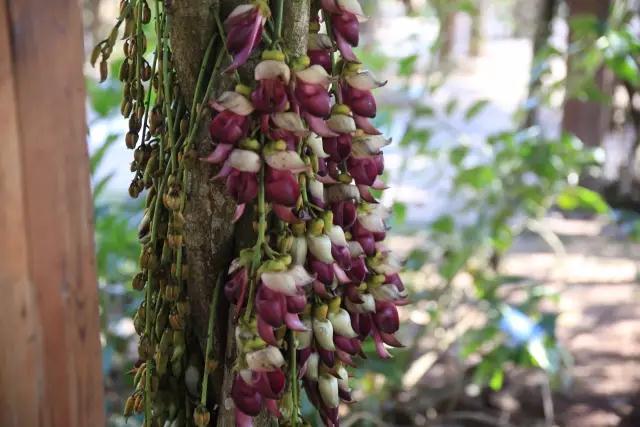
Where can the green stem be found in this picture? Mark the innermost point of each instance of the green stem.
(223, 37)
(203, 67)
(200, 111)
(212, 315)
(148, 103)
(257, 249)
(167, 89)
(279, 13)
(294, 379)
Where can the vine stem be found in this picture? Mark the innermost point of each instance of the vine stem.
(226, 49)
(212, 315)
(167, 91)
(294, 379)
(279, 13)
(257, 254)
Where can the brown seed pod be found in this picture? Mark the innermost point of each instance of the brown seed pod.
(135, 188)
(161, 360)
(125, 107)
(166, 340)
(129, 407)
(126, 46)
(126, 91)
(130, 139)
(145, 348)
(138, 324)
(176, 321)
(172, 292)
(211, 364)
(146, 13)
(146, 72)
(134, 123)
(139, 280)
(184, 308)
(139, 403)
(174, 240)
(95, 54)
(104, 70)
(161, 320)
(201, 416)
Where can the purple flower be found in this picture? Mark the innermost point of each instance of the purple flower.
(244, 28)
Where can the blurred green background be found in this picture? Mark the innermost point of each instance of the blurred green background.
(514, 195)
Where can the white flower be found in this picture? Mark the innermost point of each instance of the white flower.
(320, 247)
(265, 360)
(271, 69)
(244, 160)
(328, 386)
(323, 333)
(341, 322)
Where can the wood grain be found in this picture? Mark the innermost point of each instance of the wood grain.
(50, 360)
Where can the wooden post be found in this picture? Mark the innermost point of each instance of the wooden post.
(50, 364)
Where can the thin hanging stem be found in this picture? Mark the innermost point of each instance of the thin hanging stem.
(257, 255)
(279, 14)
(212, 315)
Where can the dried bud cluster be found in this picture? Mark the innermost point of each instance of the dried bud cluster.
(297, 142)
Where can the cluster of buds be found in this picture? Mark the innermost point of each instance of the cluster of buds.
(297, 142)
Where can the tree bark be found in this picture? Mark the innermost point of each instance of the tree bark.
(211, 239)
(589, 120)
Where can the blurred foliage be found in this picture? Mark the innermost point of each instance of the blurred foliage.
(526, 173)
(117, 249)
(518, 177)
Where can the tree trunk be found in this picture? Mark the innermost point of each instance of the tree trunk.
(543, 30)
(589, 120)
(50, 361)
(211, 239)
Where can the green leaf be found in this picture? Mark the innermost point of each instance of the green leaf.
(496, 379)
(476, 108)
(626, 68)
(573, 198)
(416, 259)
(407, 65)
(458, 154)
(104, 98)
(444, 224)
(399, 212)
(98, 155)
(101, 185)
(423, 111)
(477, 177)
(451, 106)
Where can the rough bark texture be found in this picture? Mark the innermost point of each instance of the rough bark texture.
(210, 238)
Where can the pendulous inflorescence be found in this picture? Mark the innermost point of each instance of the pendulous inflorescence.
(297, 152)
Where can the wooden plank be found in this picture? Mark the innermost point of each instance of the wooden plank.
(47, 262)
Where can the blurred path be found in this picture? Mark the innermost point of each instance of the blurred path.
(600, 320)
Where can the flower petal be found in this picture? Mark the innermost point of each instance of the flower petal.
(244, 160)
(271, 69)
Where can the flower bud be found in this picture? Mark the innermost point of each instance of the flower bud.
(299, 250)
(320, 247)
(312, 367)
(341, 322)
(323, 333)
(328, 386)
(201, 416)
(267, 359)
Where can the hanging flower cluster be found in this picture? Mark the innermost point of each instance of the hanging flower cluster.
(297, 143)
